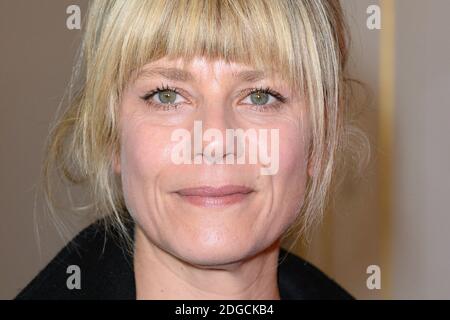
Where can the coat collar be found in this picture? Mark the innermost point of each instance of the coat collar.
(107, 272)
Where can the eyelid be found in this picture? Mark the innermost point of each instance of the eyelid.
(278, 96)
(162, 88)
(148, 98)
(280, 99)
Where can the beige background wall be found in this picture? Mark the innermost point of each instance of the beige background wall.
(37, 51)
(422, 169)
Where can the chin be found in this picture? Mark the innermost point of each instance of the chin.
(210, 251)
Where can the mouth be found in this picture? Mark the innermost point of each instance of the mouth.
(210, 197)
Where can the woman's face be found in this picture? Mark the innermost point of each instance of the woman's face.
(184, 199)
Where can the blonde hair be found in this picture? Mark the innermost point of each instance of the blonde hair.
(303, 40)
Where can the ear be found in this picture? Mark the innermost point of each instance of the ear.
(310, 161)
(311, 167)
(116, 163)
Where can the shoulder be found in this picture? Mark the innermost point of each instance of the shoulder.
(97, 257)
(299, 279)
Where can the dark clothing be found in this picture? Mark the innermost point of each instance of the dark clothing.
(107, 272)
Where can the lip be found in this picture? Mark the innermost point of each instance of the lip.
(207, 196)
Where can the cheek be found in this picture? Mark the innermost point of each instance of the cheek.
(292, 152)
(290, 183)
(145, 152)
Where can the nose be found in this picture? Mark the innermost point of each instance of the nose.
(210, 130)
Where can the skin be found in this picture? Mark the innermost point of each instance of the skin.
(183, 251)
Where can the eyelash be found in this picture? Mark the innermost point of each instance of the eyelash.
(261, 108)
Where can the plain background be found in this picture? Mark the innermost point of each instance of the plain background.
(36, 56)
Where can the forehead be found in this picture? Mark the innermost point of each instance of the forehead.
(203, 68)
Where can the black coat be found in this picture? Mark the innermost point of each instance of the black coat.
(107, 273)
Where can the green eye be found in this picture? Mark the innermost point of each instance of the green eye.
(164, 98)
(167, 96)
(259, 98)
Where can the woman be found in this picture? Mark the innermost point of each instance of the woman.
(160, 86)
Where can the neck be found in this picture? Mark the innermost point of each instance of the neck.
(160, 275)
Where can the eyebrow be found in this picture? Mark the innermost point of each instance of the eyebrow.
(177, 74)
